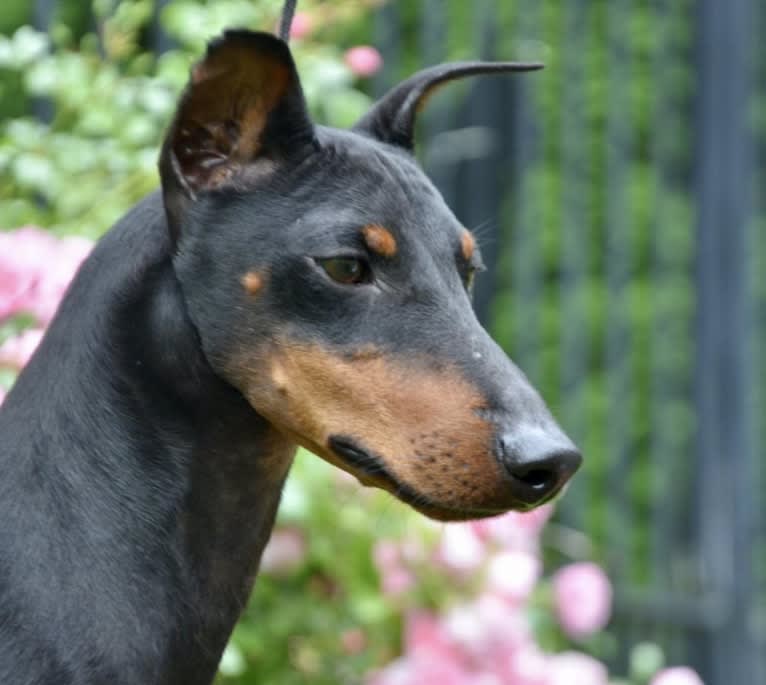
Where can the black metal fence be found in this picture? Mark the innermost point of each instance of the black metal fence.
(618, 200)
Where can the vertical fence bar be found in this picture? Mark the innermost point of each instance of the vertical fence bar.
(618, 258)
(757, 402)
(618, 265)
(160, 41)
(436, 117)
(575, 232)
(42, 18)
(387, 32)
(525, 262)
(723, 201)
(671, 333)
(478, 177)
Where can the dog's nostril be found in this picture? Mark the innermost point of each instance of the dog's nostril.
(539, 464)
(537, 479)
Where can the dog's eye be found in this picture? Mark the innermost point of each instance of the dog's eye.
(346, 270)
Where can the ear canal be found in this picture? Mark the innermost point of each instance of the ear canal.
(241, 113)
(392, 118)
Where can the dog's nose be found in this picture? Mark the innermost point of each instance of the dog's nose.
(538, 463)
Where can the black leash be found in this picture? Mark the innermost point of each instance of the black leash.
(287, 19)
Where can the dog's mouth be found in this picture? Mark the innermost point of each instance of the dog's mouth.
(371, 470)
(367, 467)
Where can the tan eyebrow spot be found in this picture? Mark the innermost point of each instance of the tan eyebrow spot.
(379, 240)
(467, 244)
(252, 282)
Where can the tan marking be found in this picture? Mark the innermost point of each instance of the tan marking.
(422, 423)
(467, 245)
(252, 282)
(380, 240)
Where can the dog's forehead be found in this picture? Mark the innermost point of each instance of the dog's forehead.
(374, 183)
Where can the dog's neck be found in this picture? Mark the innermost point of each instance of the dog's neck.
(168, 485)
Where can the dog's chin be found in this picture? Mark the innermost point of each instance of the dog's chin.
(370, 471)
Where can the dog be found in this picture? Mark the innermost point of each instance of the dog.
(290, 284)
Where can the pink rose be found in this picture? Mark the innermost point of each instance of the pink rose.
(421, 670)
(465, 630)
(35, 270)
(526, 665)
(583, 598)
(15, 352)
(22, 252)
(680, 675)
(395, 577)
(574, 668)
(363, 60)
(515, 529)
(425, 635)
(513, 574)
(301, 25)
(396, 580)
(285, 551)
(56, 273)
(460, 549)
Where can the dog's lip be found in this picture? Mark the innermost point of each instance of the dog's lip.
(371, 470)
(360, 460)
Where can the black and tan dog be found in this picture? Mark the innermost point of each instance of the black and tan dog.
(291, 285)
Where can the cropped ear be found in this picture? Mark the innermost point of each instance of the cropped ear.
(241, 114)
(392, 118)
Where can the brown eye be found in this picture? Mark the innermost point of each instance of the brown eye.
(346, 270)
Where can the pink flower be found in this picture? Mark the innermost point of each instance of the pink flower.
(424, 634)
(395, 578)
(285, 551)
(301, 25)
(526, 665)
(513, 574)
(35, 270)
(56, 273)
(516, 530)
(396, 581)
(16, 351)
(534, 521)
(386, 554)
(574, 668)
(680, 675)
(21, 254)
(583, 598)
(363, 60)
(460, 549)
(421, 670)
(464, 628)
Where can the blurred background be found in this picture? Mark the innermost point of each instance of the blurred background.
(618, 198)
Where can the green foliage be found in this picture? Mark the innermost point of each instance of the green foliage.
(113, 97)
(335, 588)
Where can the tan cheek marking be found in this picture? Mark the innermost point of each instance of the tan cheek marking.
(380, 240)
(252, 282)
(467, 244)
(423, 424)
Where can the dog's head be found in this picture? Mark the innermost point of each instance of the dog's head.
(330, 284)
